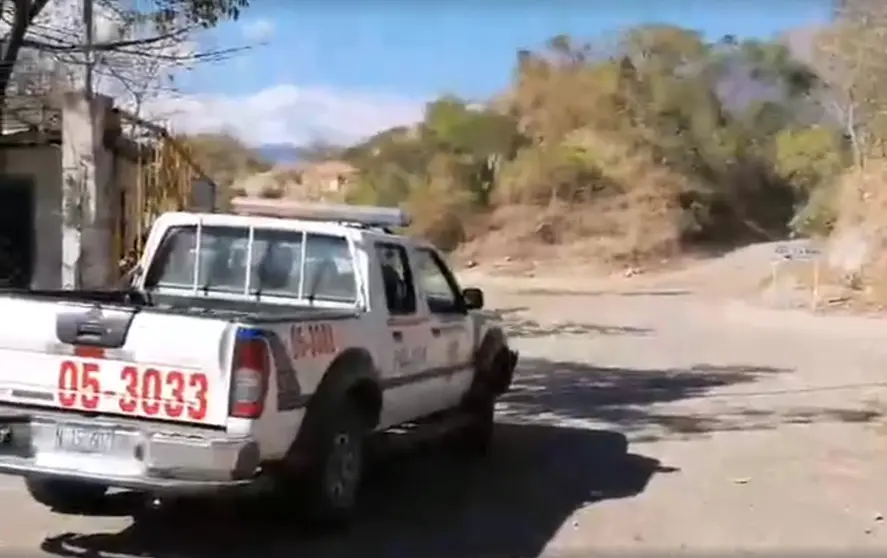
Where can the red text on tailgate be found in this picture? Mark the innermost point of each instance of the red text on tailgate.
(157, 393)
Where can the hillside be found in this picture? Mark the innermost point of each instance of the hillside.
(224, 158)
(279, 153)
(659, 146)
(666, 144)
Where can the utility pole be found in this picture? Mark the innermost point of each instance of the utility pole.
(88, 22)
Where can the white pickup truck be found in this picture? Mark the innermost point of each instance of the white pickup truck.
(267, 344)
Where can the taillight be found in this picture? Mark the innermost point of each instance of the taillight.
(249, 377)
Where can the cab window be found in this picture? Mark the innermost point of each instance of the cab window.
(276, 264)
(397, 278)
(437, 283)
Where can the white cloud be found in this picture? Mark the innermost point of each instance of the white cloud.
(289, 114)
(258, 30)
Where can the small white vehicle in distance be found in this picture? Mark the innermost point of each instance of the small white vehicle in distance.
(262, 345)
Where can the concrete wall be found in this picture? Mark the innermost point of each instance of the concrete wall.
(76, 190)
(88, 193)
(42, 164)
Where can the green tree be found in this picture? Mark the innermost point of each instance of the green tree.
(806, 157)
(810, 160)
(663, 48)
(477, 139)
(635, 134)
(850, 58)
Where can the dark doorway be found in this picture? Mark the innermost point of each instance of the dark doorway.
(16, 231)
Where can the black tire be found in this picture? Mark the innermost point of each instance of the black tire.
(333, 480)
(475, 438)
(66, 496)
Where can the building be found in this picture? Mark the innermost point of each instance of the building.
(323, 181)
(73, 191)
(328, 176)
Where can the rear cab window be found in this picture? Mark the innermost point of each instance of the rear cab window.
(227, 261)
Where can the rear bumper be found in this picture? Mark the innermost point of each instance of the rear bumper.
(123, 454)
(159, 486)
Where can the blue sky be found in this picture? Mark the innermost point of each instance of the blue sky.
(390, 56)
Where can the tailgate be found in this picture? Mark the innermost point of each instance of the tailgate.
(114, 360)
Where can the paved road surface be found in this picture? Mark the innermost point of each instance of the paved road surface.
(646, 422)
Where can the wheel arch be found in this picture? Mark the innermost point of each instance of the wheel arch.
(351, 375)
(492, 364)
(493, 341)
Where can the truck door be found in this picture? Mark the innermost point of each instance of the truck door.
(410, 335)
(451, 350)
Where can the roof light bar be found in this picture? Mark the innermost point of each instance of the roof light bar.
(291, 209)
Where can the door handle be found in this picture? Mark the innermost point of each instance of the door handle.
(435, 331)
(398, 336)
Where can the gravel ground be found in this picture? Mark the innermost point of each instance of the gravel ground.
(645, 421)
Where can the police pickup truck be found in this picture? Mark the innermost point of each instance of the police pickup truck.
(267, 343)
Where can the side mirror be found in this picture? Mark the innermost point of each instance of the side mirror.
(473, 298)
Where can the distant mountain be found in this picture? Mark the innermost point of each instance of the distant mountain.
(288, 154)
(280, 153)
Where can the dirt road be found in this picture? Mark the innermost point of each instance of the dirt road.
(744, 428)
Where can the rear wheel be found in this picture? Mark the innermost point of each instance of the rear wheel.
(334, 478)
(64, 495)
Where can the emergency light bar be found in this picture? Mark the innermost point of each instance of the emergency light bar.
(368, 215)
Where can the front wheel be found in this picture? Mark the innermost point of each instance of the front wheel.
(64, 495)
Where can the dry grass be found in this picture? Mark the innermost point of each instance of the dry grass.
(636, 225)
(634, 220)
(862, 212)
(610, 236)
(285, 183)
(794, 288)
(856, 280)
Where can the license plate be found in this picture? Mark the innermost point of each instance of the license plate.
(84, 439)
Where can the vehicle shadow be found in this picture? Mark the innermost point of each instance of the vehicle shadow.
(524, 329)
(517, 326)
(628, 400)
(421, 503)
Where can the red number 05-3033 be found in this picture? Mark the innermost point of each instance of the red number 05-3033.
(157, 393)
